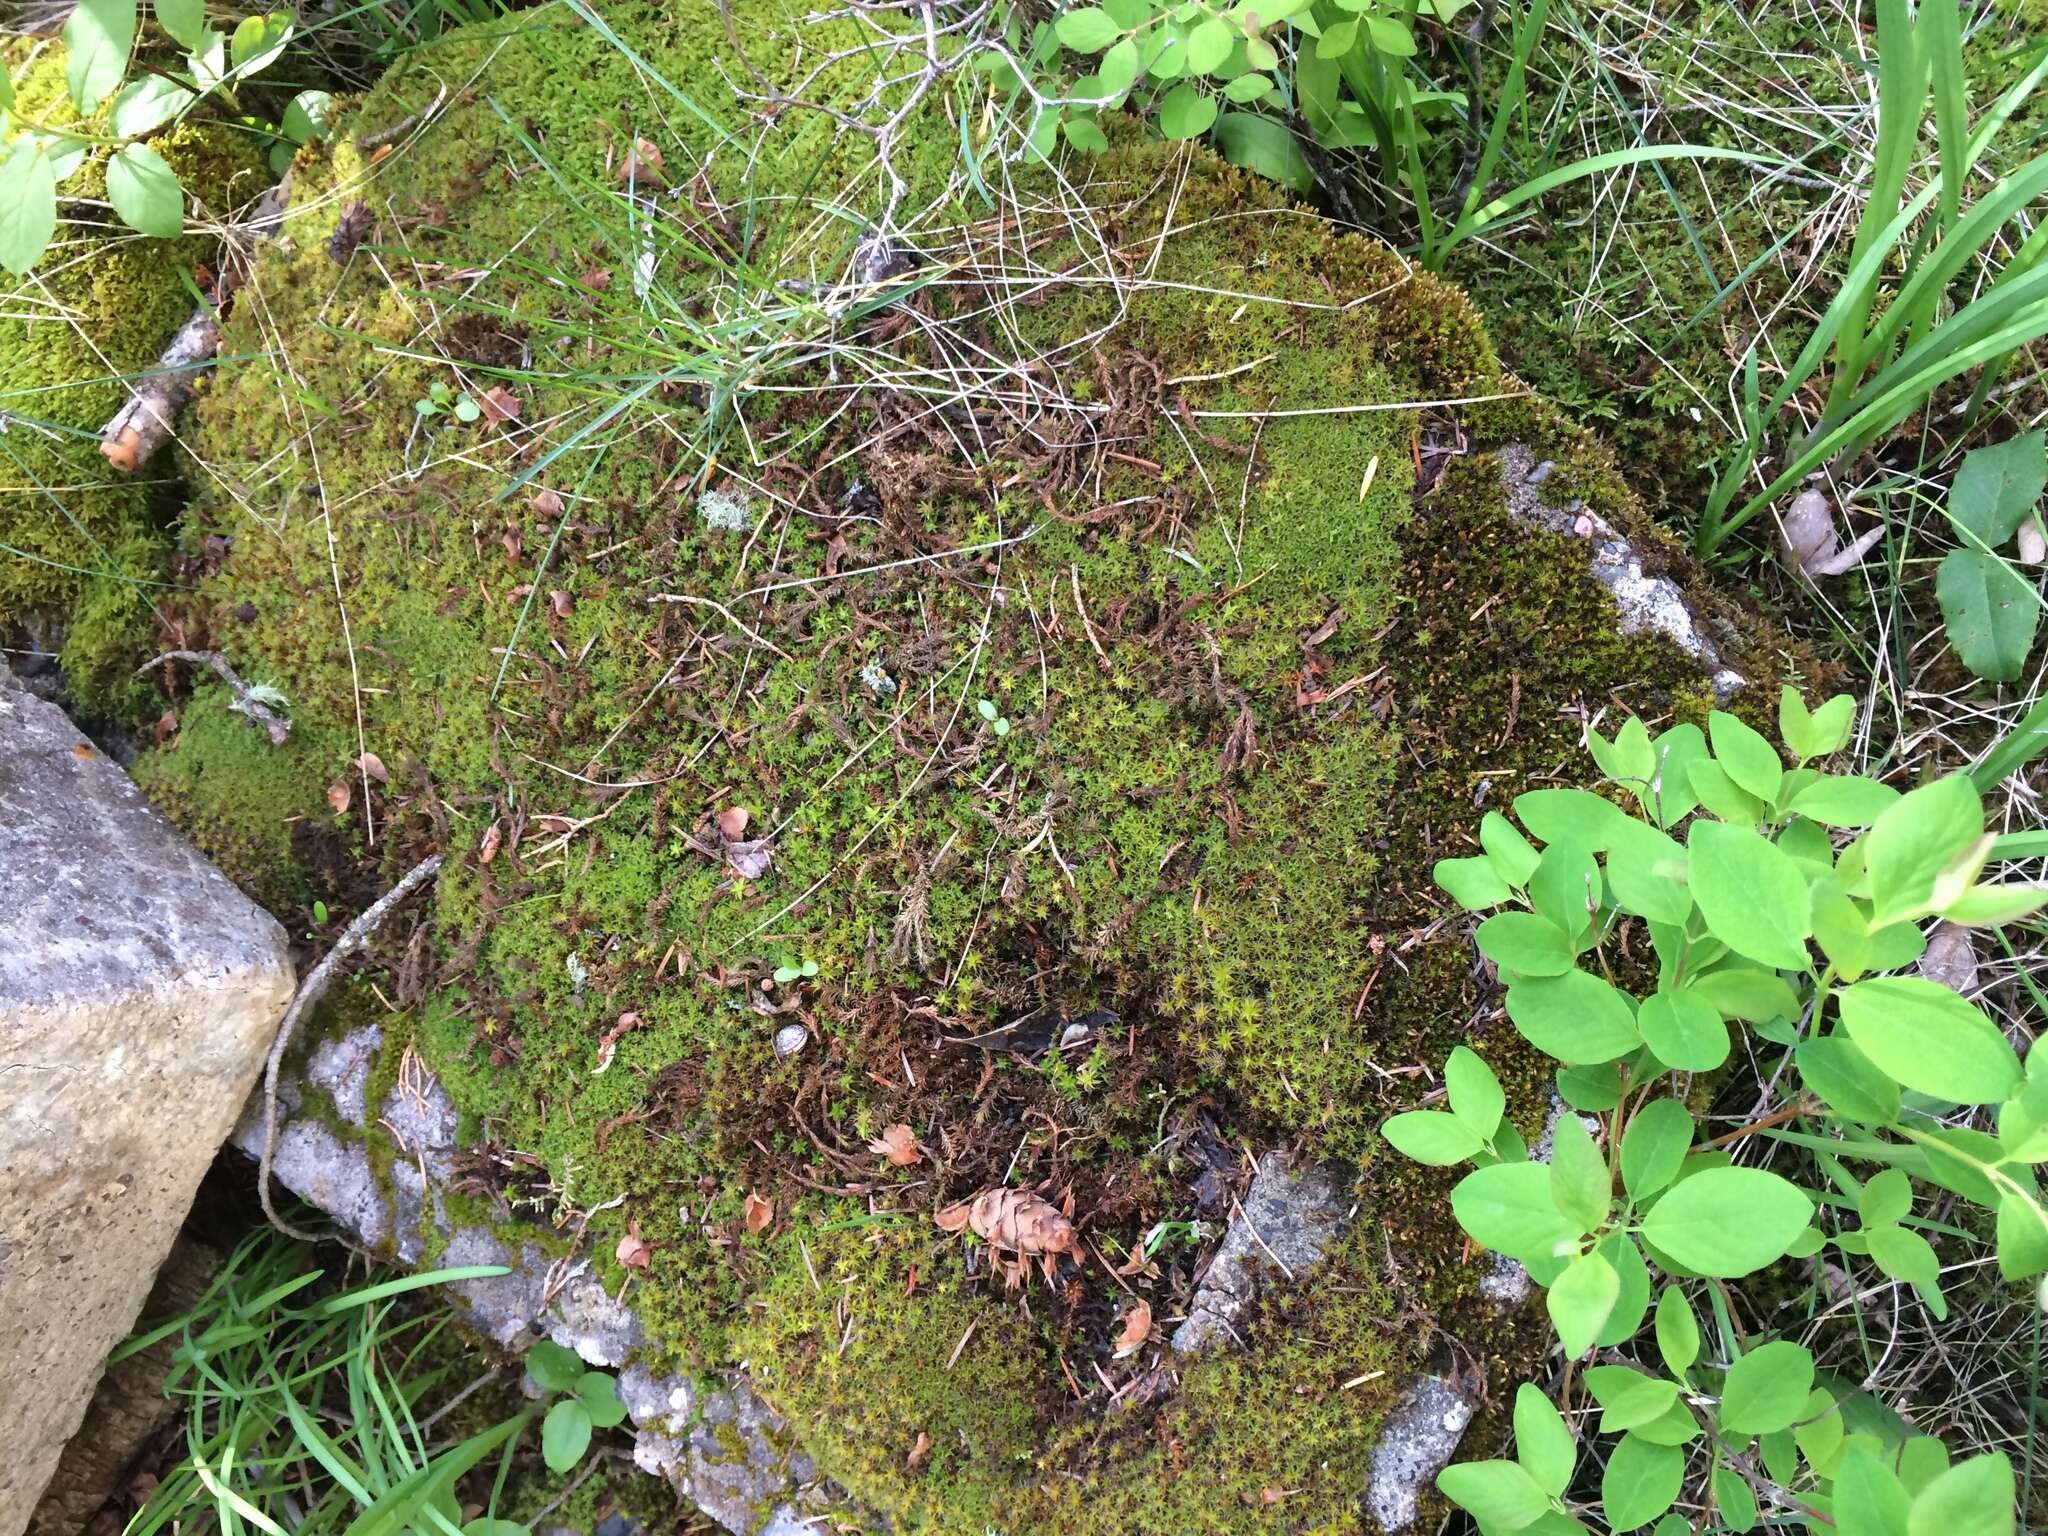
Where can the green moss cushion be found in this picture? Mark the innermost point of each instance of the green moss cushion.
(1057, 586)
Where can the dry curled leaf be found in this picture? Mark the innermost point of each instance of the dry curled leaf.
(494, 834)
(732, 822)
(1137, 1329)
(759, 1212)
(598, 279)
(919, 1451)
(634, 1251)
(547, 503)
(499, 404)
(165, 728)
(339, 795)
(373, 765)
(898, 1143)
(642, 164)
(561, 603)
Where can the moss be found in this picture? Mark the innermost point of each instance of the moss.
(1253, 674)
(82, 547)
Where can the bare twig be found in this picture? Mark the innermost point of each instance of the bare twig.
(275, 726)
(310, 992)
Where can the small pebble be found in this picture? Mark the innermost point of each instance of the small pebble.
(1541, 472)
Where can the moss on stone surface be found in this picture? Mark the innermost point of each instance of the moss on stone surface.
(1249, 668)
(79, 542)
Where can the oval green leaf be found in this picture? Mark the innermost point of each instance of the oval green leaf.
(1751, 894)
(1728, 1222)
(1924, 1036)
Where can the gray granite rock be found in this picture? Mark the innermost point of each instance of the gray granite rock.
(139, 992)
(1280, 1230)
(1417, 1441)
(726, 1449)
(1646, 602)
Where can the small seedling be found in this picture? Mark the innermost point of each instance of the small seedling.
(584, 1400)
(986, 708)
(793, 970)
(440, 400)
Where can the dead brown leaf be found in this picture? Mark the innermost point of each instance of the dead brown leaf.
(643, 164)
(562, 603)
(598, 279)
(373, 765)
(499, 404)
(732, 822)
(898, 1143)
(1137, 1329)
(165, 728)
(919, 1451)
(339, 794)
(547, 503)
(759, 1212)
(634, 1251)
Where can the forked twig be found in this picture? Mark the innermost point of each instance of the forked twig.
(310, 992)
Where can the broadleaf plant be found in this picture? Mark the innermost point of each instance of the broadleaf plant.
(1722, 889)
(121, 103)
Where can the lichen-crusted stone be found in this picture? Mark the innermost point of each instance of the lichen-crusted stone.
(1288, 1217)
(138, 994)
(1417, 1441)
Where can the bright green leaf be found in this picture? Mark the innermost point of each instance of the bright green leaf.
(1974, 1496)
(1507, 1208)
(1525, 944)
(1751, 893)
(598, 1392)
(1640, 1482)
(306, 115)
(1751, 761)
(1869, 1498)
(1767, 1388)
(1471, 883)
(1499, 1494)
(1087, 30)
(1912, 843)
(1475, 1093)
(1684, 1030)
(1655, 1143)
(1209, 45)
(1737, 992)
(185, 20)
(1573, 1018)
(1543, 1445)
(146, 104)
(1629, 1397)
(1678, 1331)
(1429, 1136)
(97, 39)
(1574, 816)
(1844, 800)
(257, 41)
(1510, 853)
(1925, 1037)
(28, 206)
(1728, 1222)
(1723, 796)
(565, 1435)
(1186, 112)
(1738, 1504)
(145, 192)
(1566, 887)
(1847, 1081)
(1580, 1301)
(1579, 1186)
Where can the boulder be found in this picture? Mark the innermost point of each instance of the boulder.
(138, 994)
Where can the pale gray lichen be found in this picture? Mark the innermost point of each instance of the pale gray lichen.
(724, 512)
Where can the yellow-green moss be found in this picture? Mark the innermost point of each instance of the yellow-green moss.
(1251, 685)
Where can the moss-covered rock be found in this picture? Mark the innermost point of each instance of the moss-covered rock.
(82, 546)
(1080, 591)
